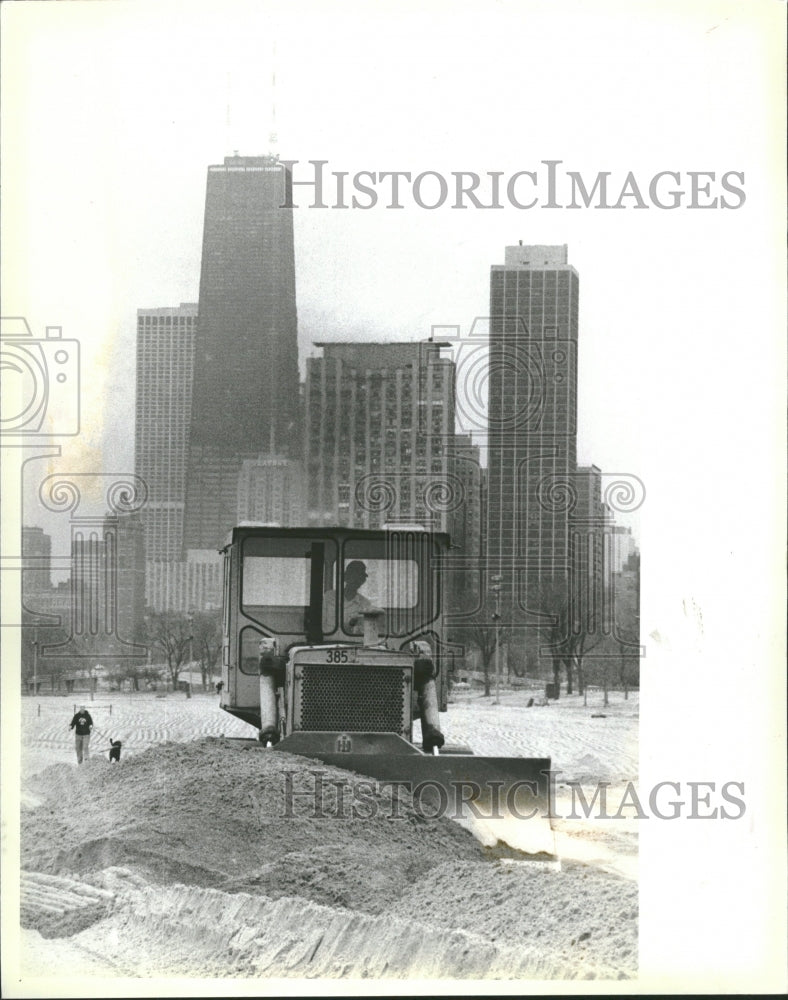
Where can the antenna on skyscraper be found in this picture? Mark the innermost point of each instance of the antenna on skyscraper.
(228, 138)
(273, 139)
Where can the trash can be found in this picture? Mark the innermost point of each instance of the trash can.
(552, 691)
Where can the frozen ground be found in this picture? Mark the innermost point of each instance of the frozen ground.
(162, 834)
(570, 733)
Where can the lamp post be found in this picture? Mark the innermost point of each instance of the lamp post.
(34, 644)
(191, 651)
(496, 589)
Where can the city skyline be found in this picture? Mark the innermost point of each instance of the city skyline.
(171, 515)
(380, 419)
(223, 465)
(380, 441)
(190, 312)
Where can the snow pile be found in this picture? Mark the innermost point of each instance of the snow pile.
(218, 814)
(589, 769)
(580, 920)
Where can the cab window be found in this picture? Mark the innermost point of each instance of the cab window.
(275, 581)
(393, 578)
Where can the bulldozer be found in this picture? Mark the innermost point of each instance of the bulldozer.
(333, 649)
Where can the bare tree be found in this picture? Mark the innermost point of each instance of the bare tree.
(207, 632)
(34, 640)
(570, 627)
(612, 647)
(481, 632)
(135, 672)
(628, 622)
(581, 645)
(42, 656)
(550, 599)
(170, 632)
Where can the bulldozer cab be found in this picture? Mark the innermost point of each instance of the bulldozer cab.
(312, 587)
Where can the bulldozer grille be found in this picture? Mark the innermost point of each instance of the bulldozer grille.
(351, 698)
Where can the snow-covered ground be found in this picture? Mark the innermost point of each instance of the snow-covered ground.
(593, 903)
(586, 741)
(582, 740)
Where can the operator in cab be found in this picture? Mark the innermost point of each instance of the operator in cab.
(354, 601)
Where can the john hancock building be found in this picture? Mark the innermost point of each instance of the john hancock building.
(245, 397)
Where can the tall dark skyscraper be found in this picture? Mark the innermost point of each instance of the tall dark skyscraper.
(532, 413)
(245, 397)
(165, 368)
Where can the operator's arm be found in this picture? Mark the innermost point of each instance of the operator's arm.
(353, 609)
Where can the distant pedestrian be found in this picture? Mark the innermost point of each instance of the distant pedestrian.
(219, 686)
(83, 724)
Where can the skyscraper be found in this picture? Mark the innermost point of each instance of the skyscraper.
(378, 419)
(192, 584)
(245, 399)
(36, 550)
(588, 541)
(466, 523)
(165, 366)
(108, 587)
(532, 414)
(271, 489)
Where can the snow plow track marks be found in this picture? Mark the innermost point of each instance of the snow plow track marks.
(57, 906)
(204, 932)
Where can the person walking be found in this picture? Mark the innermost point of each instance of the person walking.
(83, 724)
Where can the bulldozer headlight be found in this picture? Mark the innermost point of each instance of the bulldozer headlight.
(424, 669)
(271, 663)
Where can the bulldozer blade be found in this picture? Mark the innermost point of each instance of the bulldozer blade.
(500, 800)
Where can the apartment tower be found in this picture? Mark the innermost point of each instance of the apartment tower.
(532, 416)
(165, 367)
(378, 421)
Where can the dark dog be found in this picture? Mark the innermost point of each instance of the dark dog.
(114, 753)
